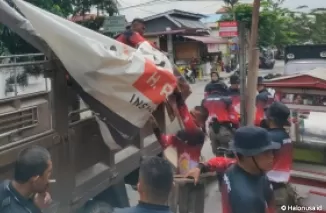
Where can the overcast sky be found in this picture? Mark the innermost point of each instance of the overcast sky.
(199, 6)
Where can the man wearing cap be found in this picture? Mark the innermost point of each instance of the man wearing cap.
(244, 186)
(134, 34)
(277, 116)
(234, 88)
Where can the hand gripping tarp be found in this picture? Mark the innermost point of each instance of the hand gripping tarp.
(121, 84)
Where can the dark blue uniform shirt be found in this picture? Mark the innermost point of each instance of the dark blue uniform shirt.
(12, 202)
(216, 86)
(233, 91)
(145, 208)
(278, 135)
(263, 95)
(245, 193)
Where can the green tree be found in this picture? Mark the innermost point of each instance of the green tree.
(15, 44)
(230, 6)
(317, 25)
(273, 23)
(102, 6)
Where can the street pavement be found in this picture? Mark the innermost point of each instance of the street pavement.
(213, 197)
(278, 69)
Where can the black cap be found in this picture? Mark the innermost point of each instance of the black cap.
(279, 112)
(251, 141)
(260, 80)
(234, 79)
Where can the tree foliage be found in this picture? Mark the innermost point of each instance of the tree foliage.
(280, 26)
(12, 43)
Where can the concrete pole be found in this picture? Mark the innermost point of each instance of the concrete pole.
(242, 66)
(253, 65)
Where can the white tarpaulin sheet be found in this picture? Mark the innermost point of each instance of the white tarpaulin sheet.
(125, 80)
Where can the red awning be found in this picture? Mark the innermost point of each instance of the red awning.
(313, 79)
(208, 39)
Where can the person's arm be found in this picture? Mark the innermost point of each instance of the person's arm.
(184, 113)
(206, 90)
(136, 39)
(164, 139)
(219, 164)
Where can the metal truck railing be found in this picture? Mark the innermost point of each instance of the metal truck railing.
(84, 166)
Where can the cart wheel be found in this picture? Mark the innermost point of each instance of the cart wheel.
(94, 206)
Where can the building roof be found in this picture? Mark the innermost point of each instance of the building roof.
(175, 12)
(181, 19)
(315, 78)
(86, 17)
(222, 10)
(208, 39)
(213, 18)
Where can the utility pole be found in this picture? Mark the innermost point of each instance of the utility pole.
(253, 65)
(242, 66)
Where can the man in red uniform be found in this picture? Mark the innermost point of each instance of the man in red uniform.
(277, 116)
(188, 142)
(133, 36)
(244, 186)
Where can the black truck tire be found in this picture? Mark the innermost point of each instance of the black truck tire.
(94, 206)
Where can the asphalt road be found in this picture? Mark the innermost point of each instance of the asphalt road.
(213, 198)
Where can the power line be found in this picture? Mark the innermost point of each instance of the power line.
(161, 1)
(144, 4)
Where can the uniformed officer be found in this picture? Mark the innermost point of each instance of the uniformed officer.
(245, 186)
(27, 192)
(277, 117)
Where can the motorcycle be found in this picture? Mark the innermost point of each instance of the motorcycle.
(189, 76)
(222, 122)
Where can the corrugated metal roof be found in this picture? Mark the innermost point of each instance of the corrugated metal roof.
(213, 18)
(319, 73)
(190, 23)
(208, 39)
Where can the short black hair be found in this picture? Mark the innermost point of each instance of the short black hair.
(216, 73)
(234, 79)
(157, 176)
(203, 112)
(138, 20)
(31, 162)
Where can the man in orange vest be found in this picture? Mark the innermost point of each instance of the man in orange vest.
(134, 35)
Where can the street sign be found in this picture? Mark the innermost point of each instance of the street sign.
(228, 29)
(114, 24)
(213, 48)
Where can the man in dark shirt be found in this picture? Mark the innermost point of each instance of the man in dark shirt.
(235, 82)
(244, 186)
(27, 193)
(154, 186)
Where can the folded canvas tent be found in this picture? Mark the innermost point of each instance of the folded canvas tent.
(121, 84)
